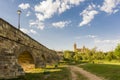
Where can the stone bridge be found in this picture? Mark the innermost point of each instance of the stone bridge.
(19, 52)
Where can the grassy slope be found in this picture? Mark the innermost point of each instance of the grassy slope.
(110, 72)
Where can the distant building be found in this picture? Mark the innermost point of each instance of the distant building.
(83, 49)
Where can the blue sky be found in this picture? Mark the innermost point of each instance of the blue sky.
(58, 24)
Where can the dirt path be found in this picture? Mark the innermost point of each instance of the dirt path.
(73, 75)
(87, 74)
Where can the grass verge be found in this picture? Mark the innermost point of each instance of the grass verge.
(64, 74)
(48, 74)
(108, 71)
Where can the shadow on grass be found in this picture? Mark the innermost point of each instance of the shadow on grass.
(63, 74)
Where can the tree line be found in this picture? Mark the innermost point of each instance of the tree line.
(92, 54)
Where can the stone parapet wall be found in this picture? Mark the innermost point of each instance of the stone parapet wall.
(19, 38)
(12, 33)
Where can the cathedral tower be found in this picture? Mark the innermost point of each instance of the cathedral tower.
(75, 47)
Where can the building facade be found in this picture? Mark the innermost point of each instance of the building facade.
(82, 50)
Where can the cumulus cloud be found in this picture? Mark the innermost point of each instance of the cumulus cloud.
(27, 31)
(63, 7)
(67, 4)
(46, 9)
(110, 6)
(75, 2)
(40, 25)
(88, 15)
(28, 13)
(24, 6)
(40, 17)
(60, 24)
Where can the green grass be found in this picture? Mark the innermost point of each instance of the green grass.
(47, 74)
(108, 71)
(116, 62)
(80, 76)
(64, 74)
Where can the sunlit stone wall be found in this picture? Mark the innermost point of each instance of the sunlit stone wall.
(13, 42)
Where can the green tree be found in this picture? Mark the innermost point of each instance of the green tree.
(117, 51)
(110, 56)
(67, 55)
(77, 56)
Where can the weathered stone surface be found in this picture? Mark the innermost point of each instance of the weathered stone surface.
(9, 68)
(13, 43)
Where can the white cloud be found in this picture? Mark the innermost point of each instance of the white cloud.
(109, 6)
(46, 9)
(33, 31)
(75, 2)
(28, 13)
(107, 41)
(67, 4)
(24, 6)
(27, 31)
(63, 7)
(60, 24)
(40, 17)
(91, 36)
(101, 44)
(40, 25)
(106, 45)
(86, 36)
(88, 15)
(115, 11)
